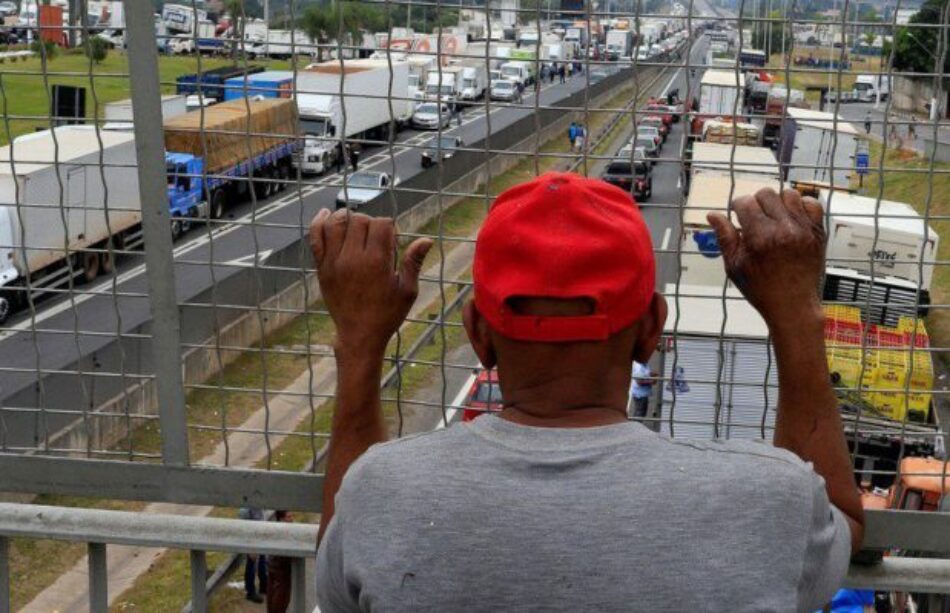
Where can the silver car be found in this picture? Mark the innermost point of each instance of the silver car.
(430, 116)
(363, 186)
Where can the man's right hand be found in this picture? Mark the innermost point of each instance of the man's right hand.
(777, 257)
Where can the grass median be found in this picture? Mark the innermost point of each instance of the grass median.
(907, 178)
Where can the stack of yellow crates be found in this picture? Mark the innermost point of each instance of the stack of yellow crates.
(891, 378)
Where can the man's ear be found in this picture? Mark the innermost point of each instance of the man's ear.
(479, 334)
(650, 329)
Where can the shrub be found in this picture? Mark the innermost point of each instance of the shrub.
(96, 49)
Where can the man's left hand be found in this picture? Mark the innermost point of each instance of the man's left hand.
(366, 297)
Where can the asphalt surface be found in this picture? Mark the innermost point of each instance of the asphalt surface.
(70, 329)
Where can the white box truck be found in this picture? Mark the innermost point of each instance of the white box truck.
(474, 81)
(872, 87)
(619, 44)
(365, 87)
(181, 19)
(444, 85)
(890, 234)
(118, 115)
(57, 179)
(812, 142)
(720, 93)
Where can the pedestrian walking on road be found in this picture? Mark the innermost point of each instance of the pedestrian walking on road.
(572, 133)
(553, 73)
(641, 388)
(912, 128)
(561, 72)
(255, 565)
(579, 485)
(581, 139)
(867, 123)
(457, 111)
(355, 157)
(343, 154)
(892, 136)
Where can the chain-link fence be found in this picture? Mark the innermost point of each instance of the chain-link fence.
(164, 338)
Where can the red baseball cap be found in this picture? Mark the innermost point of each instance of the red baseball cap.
(564, 236)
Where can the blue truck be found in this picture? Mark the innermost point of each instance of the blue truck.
(211, 82)
(208, 162)
(268, 84)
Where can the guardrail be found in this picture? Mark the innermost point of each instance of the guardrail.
(101, 528)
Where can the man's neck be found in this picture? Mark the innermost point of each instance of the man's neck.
(589, 417)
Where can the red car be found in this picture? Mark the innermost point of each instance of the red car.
(662, 110)
(484, 396)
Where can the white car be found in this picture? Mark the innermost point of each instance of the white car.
(503, 89)
(363, 186)
(430, 116)
(651, 132)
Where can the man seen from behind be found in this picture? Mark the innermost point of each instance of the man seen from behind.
(559, 502)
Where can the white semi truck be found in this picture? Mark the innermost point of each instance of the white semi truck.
(320, 107)
(53, 223)
(812, 142)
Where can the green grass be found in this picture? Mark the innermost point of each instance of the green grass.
(35, 564)
(25, 91)
(902, 184)
(822, 78)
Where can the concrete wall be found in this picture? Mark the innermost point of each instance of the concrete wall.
(915, 94)
(286, 295)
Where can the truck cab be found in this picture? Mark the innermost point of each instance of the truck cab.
(517, 72)
(186, 200)
(445, 91)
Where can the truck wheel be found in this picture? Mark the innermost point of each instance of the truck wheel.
(90, 266)
(283, 173)
(261, 186)
(107, 258)
(177, 228)
(6, 307)
(217, 204)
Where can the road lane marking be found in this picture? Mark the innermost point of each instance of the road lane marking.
(666, 238)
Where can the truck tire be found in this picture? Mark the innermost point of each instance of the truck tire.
(107, 257)
(90, 266)
(283, 173)
(217, 204)
(261, 185)
(6, 307)
(178, 227)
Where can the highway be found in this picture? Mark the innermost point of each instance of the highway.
(40, 353)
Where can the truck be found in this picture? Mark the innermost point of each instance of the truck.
(210, 83)
(716, 359)
(528, 37)
(419, 68)
(576, 35)
(267, 84)
(209, 159)
(60, 176)
(118, 115)
(872, 87)
(444, 85)
(814, 142)
(320, 108)
(721, 162)
(619, 44)
(282, 44)
(518, 72)
(474, 81)
(903, 254)
(181, 19)
(720, 95)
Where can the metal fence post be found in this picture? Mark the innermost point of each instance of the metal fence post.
(156, 226)
(298, 585)
(4, 574)
(199, 575)
(98, 578)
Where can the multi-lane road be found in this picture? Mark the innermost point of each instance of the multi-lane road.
(64, 358)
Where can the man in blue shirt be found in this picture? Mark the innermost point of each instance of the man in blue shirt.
(641, 389)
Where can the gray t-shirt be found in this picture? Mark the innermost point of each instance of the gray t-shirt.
(494, 516)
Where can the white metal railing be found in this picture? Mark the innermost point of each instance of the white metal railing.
(100, 528)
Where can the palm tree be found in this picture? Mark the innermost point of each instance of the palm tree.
(235, 8)
(322, 23)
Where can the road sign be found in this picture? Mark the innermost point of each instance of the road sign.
(862, 162)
